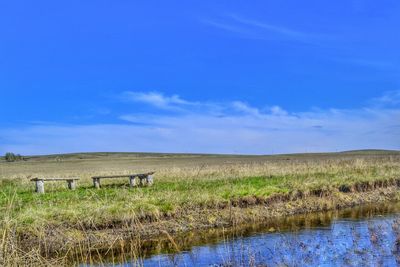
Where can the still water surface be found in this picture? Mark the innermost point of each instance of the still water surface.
(363, 236)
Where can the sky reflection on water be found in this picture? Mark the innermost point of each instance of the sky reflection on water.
(365, 242)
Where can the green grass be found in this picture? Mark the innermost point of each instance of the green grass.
(178, 188)
(60, 206)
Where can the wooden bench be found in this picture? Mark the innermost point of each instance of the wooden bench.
(144, 179)
(40, 183)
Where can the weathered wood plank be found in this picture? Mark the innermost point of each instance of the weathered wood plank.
(55, 179)
(122, 176)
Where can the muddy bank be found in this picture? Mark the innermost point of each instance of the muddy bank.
(54, 241)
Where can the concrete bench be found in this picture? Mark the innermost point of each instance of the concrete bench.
(144, 179)
(40, 183)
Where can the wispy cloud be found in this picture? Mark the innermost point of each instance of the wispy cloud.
(237, 127)
(273, 28)
(173, 103)
(155, 99)
(245, 108)
(250, 28)
(390, 98)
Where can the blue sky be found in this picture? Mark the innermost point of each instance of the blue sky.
(199, 76)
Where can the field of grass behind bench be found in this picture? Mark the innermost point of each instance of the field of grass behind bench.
(181, 183)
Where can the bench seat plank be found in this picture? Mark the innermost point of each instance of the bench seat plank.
(122, 176)
(54, 179)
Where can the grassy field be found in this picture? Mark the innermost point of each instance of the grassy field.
(183, 184)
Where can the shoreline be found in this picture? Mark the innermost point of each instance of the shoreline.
(65, 240)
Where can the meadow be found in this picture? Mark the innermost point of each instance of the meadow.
(189, 192)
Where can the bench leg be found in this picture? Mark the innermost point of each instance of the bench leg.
(40, 187)
(71, 184)
(132, 181)
(142, 181)
(96, 183)
(149, 180)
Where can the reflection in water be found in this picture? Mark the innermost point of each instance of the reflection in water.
(366, 236)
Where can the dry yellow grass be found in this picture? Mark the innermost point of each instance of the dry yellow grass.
(182, 182)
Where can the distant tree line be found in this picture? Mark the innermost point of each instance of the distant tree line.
(10, 157)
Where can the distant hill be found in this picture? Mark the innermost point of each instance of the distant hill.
(116, 155)
(371, 151)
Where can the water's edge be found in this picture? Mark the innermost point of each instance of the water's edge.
(174, 243)
(367, 235)
(201, 226)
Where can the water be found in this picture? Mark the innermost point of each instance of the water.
(363, 236)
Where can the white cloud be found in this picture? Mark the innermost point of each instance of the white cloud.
(237, 127)
(243, 107)
(277, 110)
(156, 99)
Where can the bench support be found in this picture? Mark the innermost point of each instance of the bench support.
(149, 179)
(71, 184)
(39, 186)
(96, 183)
(132, 181)
(146, 180)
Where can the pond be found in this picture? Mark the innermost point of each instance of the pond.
(362, 236)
